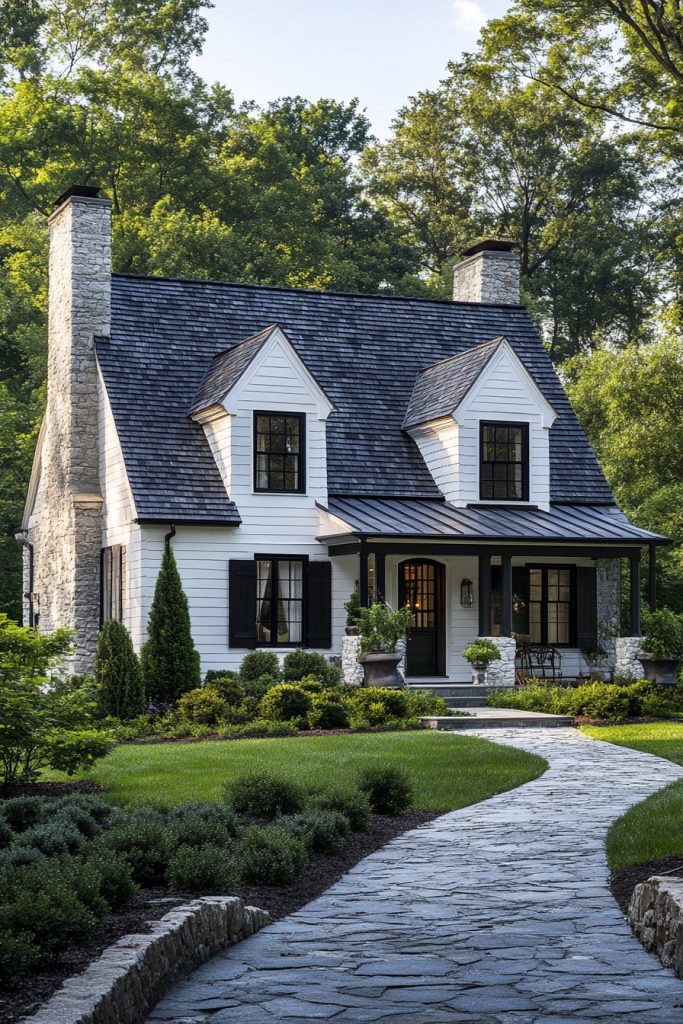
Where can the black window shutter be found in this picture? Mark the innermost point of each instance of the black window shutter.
(586, 608)
(319, 605)
(242, 590)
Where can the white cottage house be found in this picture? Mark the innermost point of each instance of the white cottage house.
(295, 444)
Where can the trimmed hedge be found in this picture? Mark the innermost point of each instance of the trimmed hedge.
(606, 701)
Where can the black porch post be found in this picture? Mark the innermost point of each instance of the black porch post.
(380, 571)
(484, 595)
(652, 577)
(506, 596)
(634, 561)
(363, 575)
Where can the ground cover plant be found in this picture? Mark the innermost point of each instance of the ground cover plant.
(446, 771)
(610, 702)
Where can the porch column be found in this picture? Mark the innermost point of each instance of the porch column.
(634, 574)
(484, 595)
(506, 595)
(380, 570)
(652, 577)
(363, 575)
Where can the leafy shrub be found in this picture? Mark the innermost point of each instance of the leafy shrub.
(257, 728)
(201, 869)
(230, 688)
(219, 673)
(381, 628)
(258, 688)
(69, 752)
(286, 703)
(203, 706)
(217, 814)
(53, 837)
(353, 804)
(144, 842)
(663, 633)
(327, 713)
(170, 663)
(388, 788)
(200, 830)
(261, 795)
(17, 953)
(6, 833)
(96, 806)
(22, 812)
(73, 814)
(421, 702)
(239, 714)
(323, 831)
(607, 701)
(39, 714)
(268, 856)
(377, 704)
(260, 663)
(118, 676)
(304, 664)
(482, 652)
(116, 879)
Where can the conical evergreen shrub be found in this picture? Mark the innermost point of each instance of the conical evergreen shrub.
(170, 664)
(117, 673)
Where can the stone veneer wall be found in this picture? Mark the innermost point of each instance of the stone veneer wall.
(67, 537)
(608, 573)
(656, 916)
(626, 660)
(487, 277)
(502, 672)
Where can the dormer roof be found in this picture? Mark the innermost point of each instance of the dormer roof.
(440, 388)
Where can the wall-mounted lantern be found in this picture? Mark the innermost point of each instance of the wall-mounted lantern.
(466, 594)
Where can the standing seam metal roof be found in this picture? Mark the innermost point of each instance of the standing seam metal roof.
(365, 351)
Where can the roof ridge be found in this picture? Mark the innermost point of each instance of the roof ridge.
(493, 342)
(422, 300)
(252, 337)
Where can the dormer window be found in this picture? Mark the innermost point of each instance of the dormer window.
(279, 440)
(504, 462)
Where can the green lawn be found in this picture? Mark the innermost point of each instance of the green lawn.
(447, 771)
(653, 828)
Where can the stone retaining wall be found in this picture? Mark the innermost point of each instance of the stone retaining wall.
(131, 976)
(656, 916)
(501, 672)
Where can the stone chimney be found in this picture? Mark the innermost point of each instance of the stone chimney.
(489, 272)
(69, 534)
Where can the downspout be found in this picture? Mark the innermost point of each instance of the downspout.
(169, 535)
(25, 542)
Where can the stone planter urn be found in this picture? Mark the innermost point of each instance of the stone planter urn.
(381, 669)
(480, 669)
(662, 670)
(352, 630)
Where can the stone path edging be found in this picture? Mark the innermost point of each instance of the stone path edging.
(130, 976)
(499, 913)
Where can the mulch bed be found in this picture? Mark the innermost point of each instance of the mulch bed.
(624, 881)
(321, 871)
(213, 737)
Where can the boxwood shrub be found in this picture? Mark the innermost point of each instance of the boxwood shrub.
(388, 788)
(203, 869)
(606, 701)
(269, 856)
(260, 795)
(286, 703)
(352, 803)
(323, 831)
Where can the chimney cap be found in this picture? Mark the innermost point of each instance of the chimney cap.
(84, 191)
(489, 245)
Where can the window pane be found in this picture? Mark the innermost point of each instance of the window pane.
(278, 461)
(503, 463)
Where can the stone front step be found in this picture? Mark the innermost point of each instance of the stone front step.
(495, 718)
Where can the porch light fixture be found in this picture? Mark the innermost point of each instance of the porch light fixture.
(466, 595)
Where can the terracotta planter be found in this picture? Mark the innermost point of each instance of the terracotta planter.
(381, 670)
(661, 670)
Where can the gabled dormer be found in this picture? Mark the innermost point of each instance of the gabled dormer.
(264, 417)
(482, 426)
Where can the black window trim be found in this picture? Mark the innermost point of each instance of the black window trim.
(525, 458)
(301, 416)
(304, 559)
(544, 566)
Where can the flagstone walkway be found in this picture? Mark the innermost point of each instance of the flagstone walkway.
(499, 913)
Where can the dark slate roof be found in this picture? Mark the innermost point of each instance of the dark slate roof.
(440, 388)
(392, 517)
(227, 368)
(364, 351)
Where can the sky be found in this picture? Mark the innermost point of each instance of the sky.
(381, 51)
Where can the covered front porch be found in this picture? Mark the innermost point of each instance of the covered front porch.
(551, 580)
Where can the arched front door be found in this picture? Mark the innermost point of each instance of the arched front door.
(421, 587)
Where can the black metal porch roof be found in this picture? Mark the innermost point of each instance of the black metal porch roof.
(428, 518)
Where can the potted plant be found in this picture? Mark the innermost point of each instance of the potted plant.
(480, 654)
(662, 646)
(353, 607)
(381, 630)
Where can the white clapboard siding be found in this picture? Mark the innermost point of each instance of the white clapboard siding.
(439, 446)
